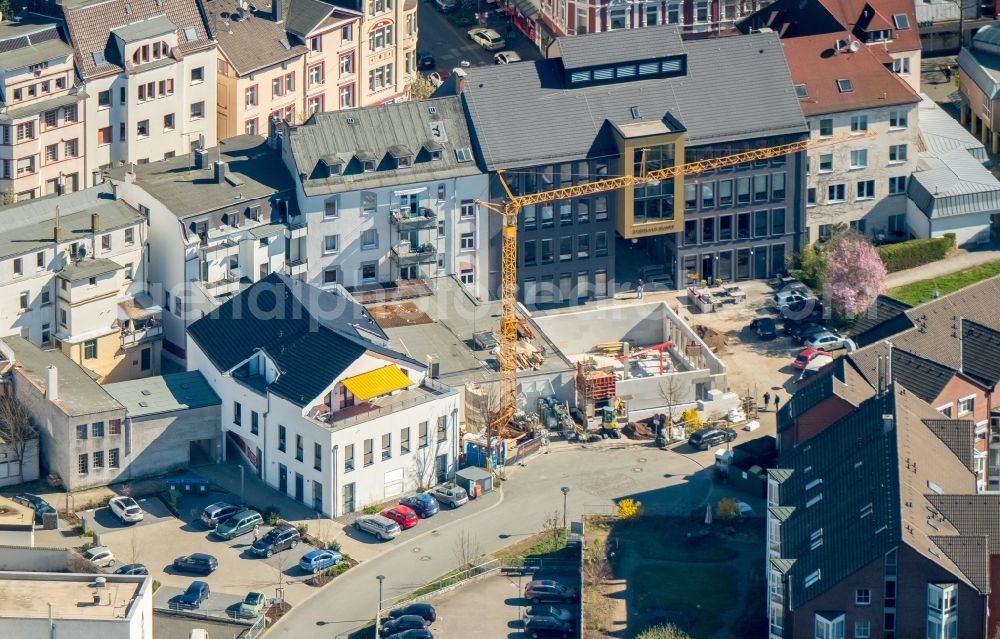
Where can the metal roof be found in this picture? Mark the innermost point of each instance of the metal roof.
(621, 46)
(942, 133)
(736, 88)
(149, 28)
(954, 184)
(23, 44)
(164, 394)
(983, 68)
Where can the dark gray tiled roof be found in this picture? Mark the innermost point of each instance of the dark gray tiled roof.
(312, 336)
(305, 15)
(736, 88)
(971, 553)
(255, 41)
(981, 352)
(621, 46)
(840, 379)
(957, 435)
(971, 514)
(880, 321)
(925, 378)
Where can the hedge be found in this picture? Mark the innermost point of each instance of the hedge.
(904, 255)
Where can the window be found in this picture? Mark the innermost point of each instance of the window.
(114, 427)
(90, 349)
(966, 405)
(254, 422)
(26, 166)
(442, 428)
(348, 458)
(104, 136)
(862, 597)
(315, 104)
(777, 222)
(725, 193)
(467, 276)
(835, 193)
(859, 158)
(743, 191)
(347, 96)
(237, 413)
(318, 456)
(866, 189)
(114, 460)
(347, 33)
(897, 185)
(277, 87)
(810, 580)
(380, 38)
(369, 202)
(251, 96)
(859, 123)
(99, 459)
(529, 253)
(369, 239)
(759, 188)
(331, 244)
(250, 127)
(282, 438)
(197, 110)
(901, 66)
(369, 452)
(816, 539)
(404, 441)
(197, 75)
(707, 195)
(316, 75)
(468, 242)
(97, 429)
(380, 78)
(82, 464)
(547, 251)
(106, 242)
(897, 153)
(565, 214)
(601, 208)
(330, 276)
(548, 216)
(386, 446)
(104, 99)
(422, 435)
(299, 452)
(760, 226)
(844, 85)
(316, 43)
(942, 611)
(18, 266)
(468, 209)
(777, 187)
(369, 272)
(826, 127)
(811, 196)
(600, 244)
(347, 64)
(814, 500)
(81, 431)
(898, 119)
(52, 153)
(708, 230)
(565, 248)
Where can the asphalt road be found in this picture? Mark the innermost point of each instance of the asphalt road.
(596, 477)
(450, 45)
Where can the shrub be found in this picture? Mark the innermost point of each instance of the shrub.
(87, 546)
(156, 585)
(99, 503)
(904, 255)
(669, 631)
(727, 509)
(333, 545)
(629, 509)
(371, 509)
(692, 420)
(271, 515)
(303, 529)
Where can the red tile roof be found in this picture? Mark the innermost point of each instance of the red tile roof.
(860, 15)
(813, 63)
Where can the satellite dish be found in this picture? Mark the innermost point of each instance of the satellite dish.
(855, 46)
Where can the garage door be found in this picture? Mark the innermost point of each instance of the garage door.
(394, 483)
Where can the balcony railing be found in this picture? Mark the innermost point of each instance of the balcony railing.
(405, 253)
(142, 336)
(406, 219)
(295, 268)
(228, 283)
(225, 248)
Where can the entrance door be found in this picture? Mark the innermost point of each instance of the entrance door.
(408, 203)
(708, 267)
(411, 272)
(760, 262)
(317, 496)
(299, 487)
(441, 468)
(283, 478)
(349, 498)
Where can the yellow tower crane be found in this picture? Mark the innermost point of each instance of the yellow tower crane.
(511, 209)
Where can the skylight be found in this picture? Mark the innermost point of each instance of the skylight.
(901, 20)
(463, 154)
(190, 34)
(432, 110)
(98, 58)
(801, 91)
(845, 86)
(635, 112)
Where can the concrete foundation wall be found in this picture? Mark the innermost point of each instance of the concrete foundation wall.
(163, 442)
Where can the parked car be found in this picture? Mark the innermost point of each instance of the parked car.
(705, 438)
(281, 537)
(805, 356)
(252, 605)
(413, 633)
(787, 298)
(540, 590)
(547, 610)
(217, 513)
(765, 328)
(487, 38)
(196, 593)
(239, 524)
(798, 330)
(446, 6)
(815, 366)
(126, 509)
(547, 627)
(437, 78)
(199, 562)
(450, 494)
(100, 556)
(425, 60)
(828, 341)
(420, 609)
(506, 57)
(132, 569)
(316, 560)
(401, 623)
(402, 515)
(810, 311)
(423, 504)
(34, 501)
(377, 525)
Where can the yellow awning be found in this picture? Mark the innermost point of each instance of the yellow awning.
(377, 382)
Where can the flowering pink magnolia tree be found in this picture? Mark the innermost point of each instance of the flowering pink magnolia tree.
(854, 275)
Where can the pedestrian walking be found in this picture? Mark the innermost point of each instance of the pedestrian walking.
(256, 533)
(777, 400)
(767, 399)
(639, 289)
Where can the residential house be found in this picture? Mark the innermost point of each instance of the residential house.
(93, 435)
(218, 216)
(849, 96)
(887, 27)
(41, 119)
(620, 101)
(979, 86)
(149, 69)
(317, 404)
(869, 531)
(298, 58)
(388, 193)
(73, 277)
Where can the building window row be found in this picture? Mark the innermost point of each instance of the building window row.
(741, 226)
(36, 89)
(426, 434)
(84, 463)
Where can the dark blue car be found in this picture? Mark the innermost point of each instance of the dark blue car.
(196, 593)
(423, 504)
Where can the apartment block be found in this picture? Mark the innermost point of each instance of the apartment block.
(316, 404)
(42, 124)
(287, 62)
(387, 194)
(149, 69)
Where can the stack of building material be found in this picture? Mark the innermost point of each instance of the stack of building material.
(610, 349)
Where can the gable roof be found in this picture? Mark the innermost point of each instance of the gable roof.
(885, 317)
(840, 378)
(620, 46)
(304, 16)
(90, 25)
(33, 40)
(981, 60)
(526, 114)
(252, 41)
(980, 352)
(957, 435)
(311, 337)
(971, 554)
(925, 378)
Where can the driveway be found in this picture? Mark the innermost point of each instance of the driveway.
(102, 521)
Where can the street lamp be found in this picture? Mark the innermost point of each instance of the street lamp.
(378, 614)
(565, 492)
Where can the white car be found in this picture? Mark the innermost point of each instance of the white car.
(506, 57)
(126, 509)
(786, 299)
(827, 341)
(488, 39)
(100, 556)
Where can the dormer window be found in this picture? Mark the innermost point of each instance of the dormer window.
(402, 155)
(435, 155)
(332, 164)
(882, 35)
(141, 55)
(368, 165)
(404, 162)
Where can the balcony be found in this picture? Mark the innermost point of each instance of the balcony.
(297, 228)
(295, 268)
(140, 320)
(404, 253)
(226, 248)
(226, 285)
(408, 220)
(151, 333)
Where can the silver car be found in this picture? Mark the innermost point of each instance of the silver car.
(827, 341)
(450, 494)
(377, 525)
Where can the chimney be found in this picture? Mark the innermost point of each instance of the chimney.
(52, 384)
(95, 222)
(57, 233)
(220, 171)
(460, 76)
(434, 367)
(200, 158)
(278, 18)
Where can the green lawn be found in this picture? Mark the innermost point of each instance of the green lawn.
(699, 593)
(548, 544)
(665, 538)
(922, 291)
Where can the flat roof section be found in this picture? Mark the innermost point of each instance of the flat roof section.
(28, 595)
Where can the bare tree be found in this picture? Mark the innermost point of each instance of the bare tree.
(133, 548)
(16, 428)
(484, 411)
(467, 549)
(671, 391)
(423, 467)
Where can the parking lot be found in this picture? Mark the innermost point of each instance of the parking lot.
(450, 45)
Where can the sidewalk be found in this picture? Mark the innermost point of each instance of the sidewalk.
(957, 262)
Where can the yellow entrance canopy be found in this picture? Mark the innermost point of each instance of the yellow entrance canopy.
(377, 382)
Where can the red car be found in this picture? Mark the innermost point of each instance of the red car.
(402, 515)
(805, 356)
